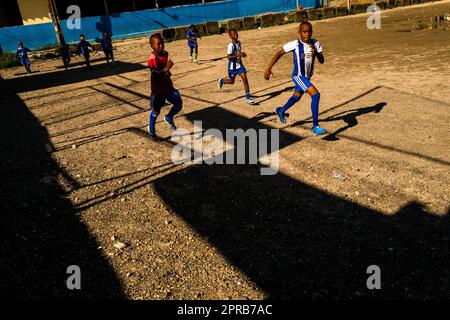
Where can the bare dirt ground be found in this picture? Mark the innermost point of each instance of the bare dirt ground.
(79, 172)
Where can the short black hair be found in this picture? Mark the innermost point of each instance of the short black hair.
(305, 23)
(156, 36)
(232, 30)
(82, 35)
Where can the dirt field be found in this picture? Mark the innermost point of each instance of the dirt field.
(79, 172)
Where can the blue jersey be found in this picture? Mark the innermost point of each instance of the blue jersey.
(192, 35)
(84, 48)
(106, 43)
(23, 55)
(303, 57)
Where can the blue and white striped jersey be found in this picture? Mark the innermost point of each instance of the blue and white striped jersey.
(234, 49)
(303, 59)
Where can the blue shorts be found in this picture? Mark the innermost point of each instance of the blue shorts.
(233, 73)
(157, 101)
(25, 61)
(192, 44)
(301, 83)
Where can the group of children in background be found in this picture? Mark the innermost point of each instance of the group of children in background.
(83, 50)
(305, 51)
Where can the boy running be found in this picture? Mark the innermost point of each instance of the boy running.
(235, 66)
(83, 46)
(193, 35)
(107, 48)
(305, 50)
(161, 85)
(22, 53)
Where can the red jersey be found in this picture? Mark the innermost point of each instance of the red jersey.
(160, 83)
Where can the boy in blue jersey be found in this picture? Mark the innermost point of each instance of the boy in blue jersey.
(305, 51)
(83, 48)
(193, 35)
(107, 47)
(22, 53)
(235, 66)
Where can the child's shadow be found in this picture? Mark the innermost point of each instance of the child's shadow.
(349, 117)
(263, 115)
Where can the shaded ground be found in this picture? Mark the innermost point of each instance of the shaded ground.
(79, 169)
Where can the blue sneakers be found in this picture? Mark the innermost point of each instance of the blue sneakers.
(318, 130)
(170, 123)
(280, 114)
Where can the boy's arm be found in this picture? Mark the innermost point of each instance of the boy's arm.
(315, 51)
(320, 57)
(168, 66)
(274, 60)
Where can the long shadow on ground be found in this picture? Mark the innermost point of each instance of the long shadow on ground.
(296, 241)
(40, 233)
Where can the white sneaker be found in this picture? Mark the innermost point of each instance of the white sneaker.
(220, 83)
(250, 100)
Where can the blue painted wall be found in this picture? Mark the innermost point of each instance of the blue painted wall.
(144, 22)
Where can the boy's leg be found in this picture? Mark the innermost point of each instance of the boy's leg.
(28, 66)
(191, 50)
(296, 96)
(111, 54)
(315, 99)
(248, 96)
(107, 56)
(229, 80)
(174, 98)
(196, 54)
(88, 62)
(156, 102)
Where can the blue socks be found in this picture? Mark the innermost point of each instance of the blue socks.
(152, 122)
(292, 100)
(315, 108)
(247, 94)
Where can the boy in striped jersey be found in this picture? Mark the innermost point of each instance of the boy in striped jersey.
(305, 51)
(235, 66)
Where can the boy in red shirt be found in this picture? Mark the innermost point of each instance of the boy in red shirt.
(161, 85)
